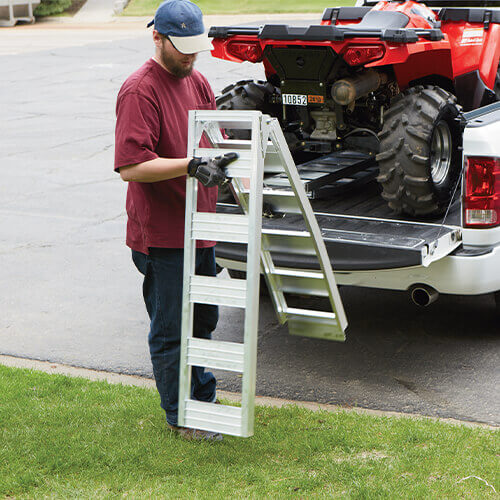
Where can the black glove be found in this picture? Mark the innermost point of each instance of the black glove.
(211, 171)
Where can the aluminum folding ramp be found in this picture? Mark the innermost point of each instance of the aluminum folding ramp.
(265, 149)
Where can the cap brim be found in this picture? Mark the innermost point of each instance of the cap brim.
(191, 44)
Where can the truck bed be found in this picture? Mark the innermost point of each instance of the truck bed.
(367, 202)
(361, 233)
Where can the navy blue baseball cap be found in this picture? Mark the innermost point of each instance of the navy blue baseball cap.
(182, 22)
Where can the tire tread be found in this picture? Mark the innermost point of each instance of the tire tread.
(404, 171)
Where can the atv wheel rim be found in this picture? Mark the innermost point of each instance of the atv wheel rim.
(440, 153)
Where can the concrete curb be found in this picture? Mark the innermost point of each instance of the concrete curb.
(133, 380)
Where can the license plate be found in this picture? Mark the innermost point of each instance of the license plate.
(294, 99)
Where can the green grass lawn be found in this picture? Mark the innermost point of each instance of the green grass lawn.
(148, 7)
(66, 437)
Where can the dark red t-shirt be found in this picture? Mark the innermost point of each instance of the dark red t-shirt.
(152, 121)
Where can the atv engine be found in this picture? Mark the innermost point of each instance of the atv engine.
(324, 100)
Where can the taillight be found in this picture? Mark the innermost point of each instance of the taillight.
(246, 51)
(482, 192)
(361, 54)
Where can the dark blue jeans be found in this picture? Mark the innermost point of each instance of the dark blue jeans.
(162, 290)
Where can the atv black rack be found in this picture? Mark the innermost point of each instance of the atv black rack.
(319, 33)
(332, 174)
(472, 15)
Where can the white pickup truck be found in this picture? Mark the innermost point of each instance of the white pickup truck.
(370, 246)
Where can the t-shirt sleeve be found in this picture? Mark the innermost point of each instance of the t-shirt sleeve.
(137, 130)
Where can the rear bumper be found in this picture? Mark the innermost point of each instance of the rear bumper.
(460, 274)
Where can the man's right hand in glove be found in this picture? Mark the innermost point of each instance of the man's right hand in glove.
(211, 171)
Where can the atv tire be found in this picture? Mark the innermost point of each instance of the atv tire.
(420, 151)
(245, 95)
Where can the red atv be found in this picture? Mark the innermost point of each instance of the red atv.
(388, 80)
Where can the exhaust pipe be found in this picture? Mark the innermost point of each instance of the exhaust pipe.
(423, 295)
(347, 90)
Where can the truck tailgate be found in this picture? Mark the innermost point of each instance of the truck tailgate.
(355, 242)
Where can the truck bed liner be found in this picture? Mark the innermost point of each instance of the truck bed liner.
(368, 202)
(361, 233)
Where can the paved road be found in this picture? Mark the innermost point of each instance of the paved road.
(70, 293)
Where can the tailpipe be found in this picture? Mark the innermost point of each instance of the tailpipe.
(423, 295)
(347, 90)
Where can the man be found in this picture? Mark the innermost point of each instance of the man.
(150, 154)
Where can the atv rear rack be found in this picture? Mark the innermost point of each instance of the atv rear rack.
(445, 13)
(319, 33)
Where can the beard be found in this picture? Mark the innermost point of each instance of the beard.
(174, 66)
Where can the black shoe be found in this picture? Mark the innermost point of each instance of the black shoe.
(195, 434)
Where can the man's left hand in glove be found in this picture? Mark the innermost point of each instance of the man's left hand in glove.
(211, 171)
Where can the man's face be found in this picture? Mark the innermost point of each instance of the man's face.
(180, 65)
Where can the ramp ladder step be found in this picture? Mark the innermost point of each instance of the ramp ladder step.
(298, 273)
(217, 291)
(220, 227)
(213, 417)
(309, 313)
(215, 354)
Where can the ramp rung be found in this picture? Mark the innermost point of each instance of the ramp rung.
(298, 273)
(284, 193)
(215, 354)
(283, 233)
(309, 313)
(301, 281)
(234, 144)
(237, 119)
(220, 227)
(281, 181)
(288, 241)
(213, 417)
(237, 144)
(269, 192)
(218, 291)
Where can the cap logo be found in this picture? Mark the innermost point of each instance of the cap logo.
(183, 26)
